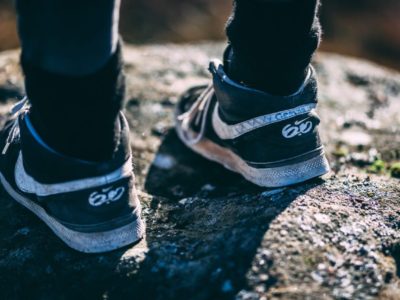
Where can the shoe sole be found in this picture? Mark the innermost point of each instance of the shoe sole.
(265, 177)
(96, 242)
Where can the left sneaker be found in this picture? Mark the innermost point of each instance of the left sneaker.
(272, 141)
(92, 206)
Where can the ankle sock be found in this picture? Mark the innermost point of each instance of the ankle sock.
(272, 43)
(77, 115)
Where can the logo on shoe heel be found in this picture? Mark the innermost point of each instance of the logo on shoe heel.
(106, 196)
(297, 129)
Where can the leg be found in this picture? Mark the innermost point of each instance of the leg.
(67, 156)
(73, 78)
(258, 117)
(272, 43)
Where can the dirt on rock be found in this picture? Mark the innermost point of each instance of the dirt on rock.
(212, 235)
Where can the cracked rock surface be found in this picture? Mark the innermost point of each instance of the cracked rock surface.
(212, 235)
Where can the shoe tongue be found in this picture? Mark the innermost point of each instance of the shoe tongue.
(239, 103)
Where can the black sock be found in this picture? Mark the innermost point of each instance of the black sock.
(272, 43)
(77, 116)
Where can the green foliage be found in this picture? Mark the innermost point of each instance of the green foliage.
(382, 167)
(341, 151)
(378, 167)
(395, 170)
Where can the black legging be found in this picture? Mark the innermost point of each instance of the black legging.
(73, 72)
(273, 42)
(69, 37)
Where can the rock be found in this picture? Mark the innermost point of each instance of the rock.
(212, 235)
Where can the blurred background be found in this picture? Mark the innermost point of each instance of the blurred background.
(363, 28)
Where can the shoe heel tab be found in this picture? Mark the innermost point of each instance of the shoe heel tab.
(217, 68)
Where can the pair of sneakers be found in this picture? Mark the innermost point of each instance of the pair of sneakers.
(93, 207)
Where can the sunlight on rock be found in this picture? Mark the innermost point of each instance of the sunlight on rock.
(356, 138)
(137, 252)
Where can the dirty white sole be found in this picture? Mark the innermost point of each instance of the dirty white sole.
(266, 177)
(84, 242)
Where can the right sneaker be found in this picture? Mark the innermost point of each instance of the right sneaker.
(93, 207)
(272, 141)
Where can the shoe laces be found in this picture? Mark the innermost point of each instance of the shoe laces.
(196, 116)
(18, 108)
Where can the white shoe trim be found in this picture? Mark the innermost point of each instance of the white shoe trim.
(226, 131)
(28, 184)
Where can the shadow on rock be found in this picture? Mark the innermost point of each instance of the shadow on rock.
(177, 172)
(204, 227)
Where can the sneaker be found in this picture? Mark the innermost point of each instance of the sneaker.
(92, 207)
(272, 141)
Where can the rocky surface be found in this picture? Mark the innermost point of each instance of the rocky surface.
(212, 235)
